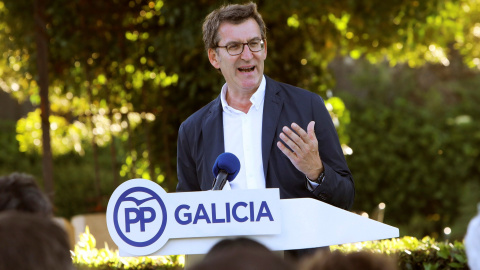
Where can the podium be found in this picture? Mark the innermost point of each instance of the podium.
(144, 220)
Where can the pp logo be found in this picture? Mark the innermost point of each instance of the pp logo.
(137, 216)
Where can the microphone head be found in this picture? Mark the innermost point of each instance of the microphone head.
(228, 162)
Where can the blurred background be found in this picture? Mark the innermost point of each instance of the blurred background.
(92, 94)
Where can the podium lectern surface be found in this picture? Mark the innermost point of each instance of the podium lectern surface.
(145, 220)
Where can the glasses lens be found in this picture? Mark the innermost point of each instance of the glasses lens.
(255, 45)
(235, 48)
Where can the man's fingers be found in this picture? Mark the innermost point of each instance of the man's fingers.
(291, 155)
(306, 140)
(292, 135)
(301, 147)
(292, 144)
(300, 131)
(311, 130)
(291, 139)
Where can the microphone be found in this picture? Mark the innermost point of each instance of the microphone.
(226, 167)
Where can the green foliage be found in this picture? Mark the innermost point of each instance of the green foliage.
(75, 190)
(340, 117)
(416, 147)
(73, 174)
(105, 76)
(87, 256)
(412, 32)
(10, 157)
(147, 58)
(412, 253)
(65, 137)
(126, 76)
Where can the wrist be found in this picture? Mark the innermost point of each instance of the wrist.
(316, 173)
(318, 179)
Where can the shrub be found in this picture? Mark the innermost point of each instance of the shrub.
(87, 256)
(73, 174)
(412, 253)
(416, 148)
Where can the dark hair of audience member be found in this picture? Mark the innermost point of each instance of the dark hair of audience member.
(241, 254)
(236, 244)
(336, 260)
(19, 191)
(32, 242)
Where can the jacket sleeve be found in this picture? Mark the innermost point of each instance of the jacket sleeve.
(337, 188)
(186, 170)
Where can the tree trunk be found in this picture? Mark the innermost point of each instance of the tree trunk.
(96, 181)
(131, 149)
(96, 169)
(131, 152)
(148, 140)
(113, 151)
(166, 154)
(169, 182)
(41, 41)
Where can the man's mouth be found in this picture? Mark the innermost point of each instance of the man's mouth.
(250, 69)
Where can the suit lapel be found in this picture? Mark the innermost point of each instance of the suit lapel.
(271, 111)
(212, 130)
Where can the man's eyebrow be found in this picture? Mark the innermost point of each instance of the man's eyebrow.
(252, 39)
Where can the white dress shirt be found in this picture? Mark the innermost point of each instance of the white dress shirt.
(243, 137)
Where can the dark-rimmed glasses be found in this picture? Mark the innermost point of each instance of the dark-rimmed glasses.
(236, 48)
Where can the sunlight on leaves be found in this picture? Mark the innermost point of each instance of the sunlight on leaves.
(293, 21)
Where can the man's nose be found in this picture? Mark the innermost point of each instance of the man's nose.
(246, 54)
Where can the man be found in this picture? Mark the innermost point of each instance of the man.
(283, 135)
(254, 112)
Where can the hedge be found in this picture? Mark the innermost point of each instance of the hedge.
(416, 148)
(86, 256)
(410, 252)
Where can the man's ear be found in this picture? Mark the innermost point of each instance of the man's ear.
(213, 57)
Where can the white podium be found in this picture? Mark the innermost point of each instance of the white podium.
(145, 220)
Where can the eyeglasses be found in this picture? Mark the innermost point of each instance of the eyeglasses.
(236, 48)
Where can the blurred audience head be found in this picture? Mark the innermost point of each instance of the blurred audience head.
(32, 242)
(241, 254)
(336, 260)
(472, 242)
(20, 192)
(236, 244)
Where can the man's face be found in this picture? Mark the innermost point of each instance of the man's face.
(242, 72)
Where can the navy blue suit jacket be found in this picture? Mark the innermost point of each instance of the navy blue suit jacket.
(200, 141)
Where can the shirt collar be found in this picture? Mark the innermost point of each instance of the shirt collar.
(257, 98)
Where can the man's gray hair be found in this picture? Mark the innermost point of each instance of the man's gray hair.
(234, 14)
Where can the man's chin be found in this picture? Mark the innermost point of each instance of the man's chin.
(253, 84)
(251, 79)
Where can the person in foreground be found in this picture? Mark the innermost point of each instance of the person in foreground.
(241, 254)
(472, 242)
(20, 192)
(31, 241)
(283, 136)
(337, 260)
